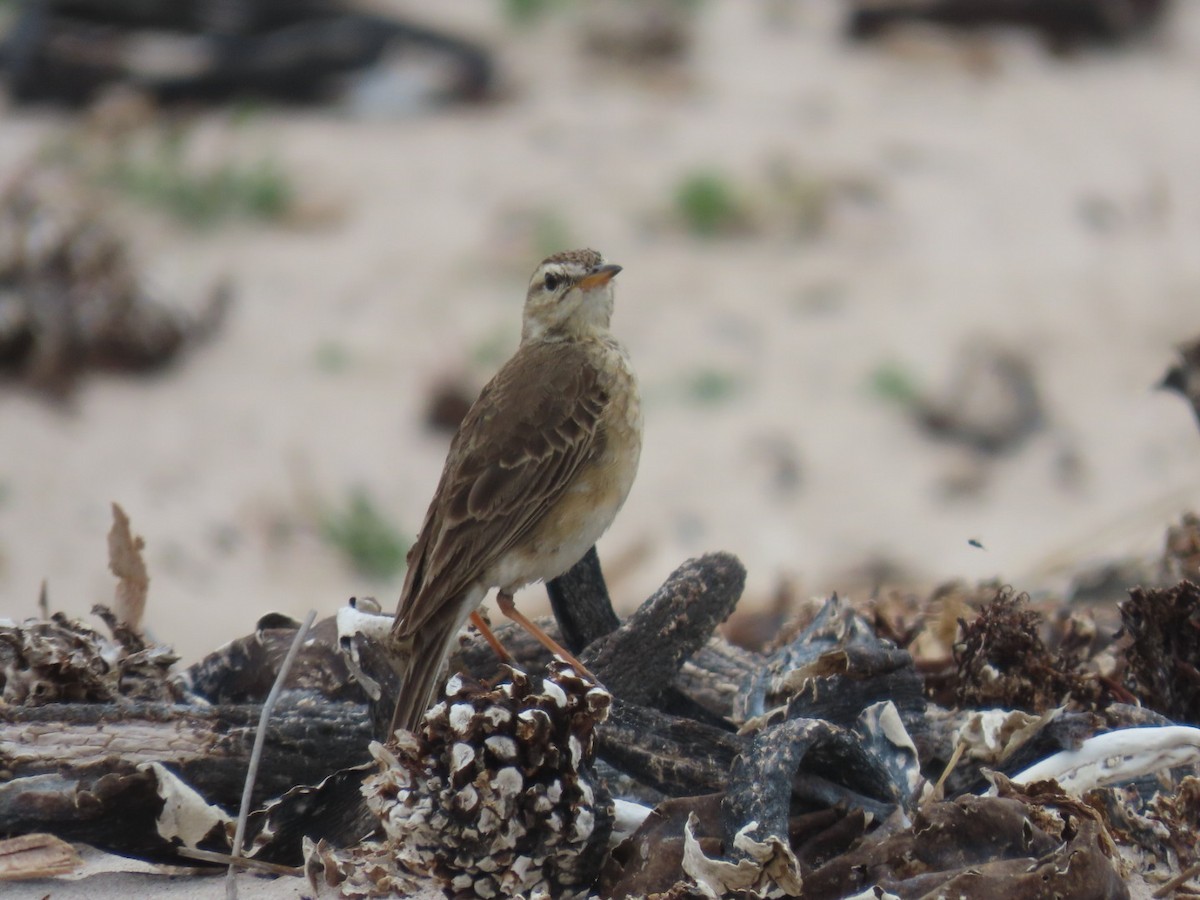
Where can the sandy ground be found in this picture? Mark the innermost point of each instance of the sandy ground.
(980, 171)
(977, 230)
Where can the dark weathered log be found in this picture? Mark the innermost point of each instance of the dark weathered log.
(208, 747)
(762, 779)
(637, 661)
(679, 757)
(113, 807)
(714, 676)
(581, 604)
(66, 52)
(1063, 23)
(244, 669)
(642, 657)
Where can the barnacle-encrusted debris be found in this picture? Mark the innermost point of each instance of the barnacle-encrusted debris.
(492, 797)
(1158, 834)
(61, 660)
(70, 297)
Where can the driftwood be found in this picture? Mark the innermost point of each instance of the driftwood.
(639, 660)
(1063, 23)
(206, 746)
(313, 736)
(836, 737)
(65, 51)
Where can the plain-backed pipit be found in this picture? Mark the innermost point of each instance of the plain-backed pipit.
(536, 473)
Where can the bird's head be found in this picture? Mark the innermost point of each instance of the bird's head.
(570, 294)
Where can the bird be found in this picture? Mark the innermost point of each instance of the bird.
(1184, 376)
(537, 471)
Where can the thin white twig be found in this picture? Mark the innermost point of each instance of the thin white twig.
(256, 755)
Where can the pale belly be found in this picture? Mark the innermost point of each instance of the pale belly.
(591, 503)
(583, 515)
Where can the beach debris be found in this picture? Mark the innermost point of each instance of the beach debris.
(1163, 653)
(71, 299)
(68, 51)
(493, 794)
(62, 660)
(1063, 24)
(964, 743)
(992, 405)
(36, 856)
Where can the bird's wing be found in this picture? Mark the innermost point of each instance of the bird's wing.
(515, 454)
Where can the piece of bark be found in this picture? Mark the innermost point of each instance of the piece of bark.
(650, 862)
(112, 806)
(850, 680)
(126, 562)
(243, 670)
(36, 856)
(208, 747)
(641, 658)
(1062, 23)
(333, 811)
(714, 676)
(679, 757)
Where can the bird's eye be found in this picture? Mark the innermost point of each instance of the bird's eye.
(550, 282)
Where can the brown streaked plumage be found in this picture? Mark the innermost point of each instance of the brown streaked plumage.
(539, 467)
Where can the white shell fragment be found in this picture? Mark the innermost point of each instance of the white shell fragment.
(1116, 757)
(769, 869)
(461, 756)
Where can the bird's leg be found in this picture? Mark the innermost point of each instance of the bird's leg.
(505, 602)
(490, 637)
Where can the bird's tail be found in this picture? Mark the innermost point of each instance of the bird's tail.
(420, 672)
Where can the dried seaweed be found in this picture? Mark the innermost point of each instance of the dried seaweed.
(844, 776)
(1003, 662)
(1162, 627)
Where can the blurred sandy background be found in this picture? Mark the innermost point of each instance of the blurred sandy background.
(896, 204)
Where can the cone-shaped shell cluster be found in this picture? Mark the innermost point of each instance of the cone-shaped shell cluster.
(492, 795)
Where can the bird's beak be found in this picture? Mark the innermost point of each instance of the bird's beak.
(598, 277)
